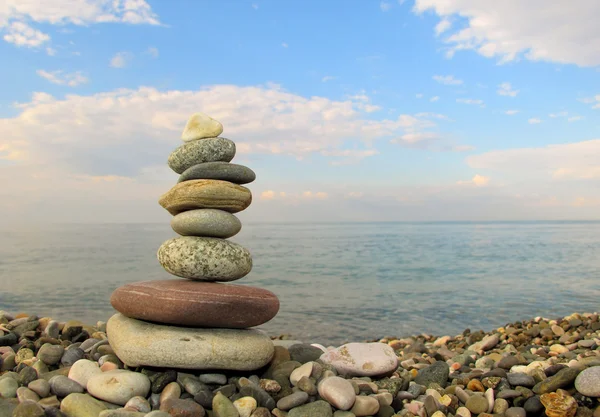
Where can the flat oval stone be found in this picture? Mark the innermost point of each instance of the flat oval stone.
(205, 258)
(200, 151)
(588, 382)
(362, 359)
(196, 304)
(206, 194)
(219, 170)
(118, 386)
(207, 223)
(139, 343)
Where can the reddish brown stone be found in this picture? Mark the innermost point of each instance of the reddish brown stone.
(189, 303)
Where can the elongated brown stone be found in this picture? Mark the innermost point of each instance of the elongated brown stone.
(200, 194)
(196, 304)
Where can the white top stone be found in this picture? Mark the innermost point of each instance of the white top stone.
(200, 126)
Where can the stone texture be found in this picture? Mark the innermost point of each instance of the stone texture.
(81, 405)
(225, 171)
(206, 194)
(588, 382)
(118, 386)
(338, 392)
(200, 126)
(205, 258)
(200, 151)
(196, 304)
(206, 222)
(138, 343)
(362, 359)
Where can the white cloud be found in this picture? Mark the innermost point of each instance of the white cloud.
(574, 118)
(419, 95)
(434, 99)
(328, 78)
(559, 114)
(385, 6)
(51, 51)
(21, 34)
(442, 26)
(285, 45)
(475, 102)
(447, 80)
(511, 112)
(534, 121)
(120, 60)
(62, 78)
(477, 180)
(255, 6)
(18, 17)
(595, 100)
(558, 31)
(152, 51)
(505, 89)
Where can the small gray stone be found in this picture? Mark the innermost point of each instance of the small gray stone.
(293, 400)
(437, 373)
(200, 151)
(515, 412)
(303, 353)
(588, 382)
(238, 174)
(520, 379)
(206, 222)
(71, 356)
(533, 406)
(50, 354)
(52, 329)
(26, 375)
(28, 408)
(318, 408)
(216, 379)
(61, 386)
(8, 387)
(40, 386)
(477, 404)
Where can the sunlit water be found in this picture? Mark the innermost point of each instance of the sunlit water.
(335, 282)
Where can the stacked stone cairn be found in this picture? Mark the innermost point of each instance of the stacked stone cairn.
(198, 321)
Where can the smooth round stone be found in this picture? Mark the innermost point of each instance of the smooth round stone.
(206, 194)
(139, 343)
(477, 404)
(28, 408)
(61, 386)
(182, 407)
(205, 258)
(223, 407)
(200, 126)
(40, 386)
(199, 151)
(24, 393)
(365, 406)
(245, 406)
(196, 304)
(293, 400)
(588, 382)
(318, 408)
(206, 222)
(118, 386)
(50, 354)
(362, 359)
(83, 370)
(8, 387)
(337, 392)
(81, 405)
(225, 171)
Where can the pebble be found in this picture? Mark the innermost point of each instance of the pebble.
(588, 382)
(61, 386)
(140, 343)
(533, 406)
(205, 258)
(304, 352)
(50, 354)
(477, 404)
(200, 151)
(207, 223)
(182, 408)
(561, 379)
(120, 412)
(500, 406)
(245, 406)
(81, 405)
(520, 379)
(318, 408)
(302, 371)
(28, 408)
(71, 355)
(139, 404)
(338, 392)
(362, 359)
(40, 386)
(8, 387)
(83, 370)
(293, 400)
(171, 391)
(223, 407)
(26, 375)
(200, 126)
(24, 393)
(436, 373)
(463, 412)
(365, 406)
(237, 174)
(118, 386)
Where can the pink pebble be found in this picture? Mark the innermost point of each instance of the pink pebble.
(108, 366)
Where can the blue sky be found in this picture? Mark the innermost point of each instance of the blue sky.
(347, 110)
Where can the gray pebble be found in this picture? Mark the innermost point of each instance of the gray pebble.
(520, 379)
(40, 386)
(200, 151)
(515, 412)
(206, 222)
(293, 400)
(50, 354)
(216, 379)
(61, 386)
(238, 174)
(71, 356)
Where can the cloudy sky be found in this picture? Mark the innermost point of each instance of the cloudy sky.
(347, 110)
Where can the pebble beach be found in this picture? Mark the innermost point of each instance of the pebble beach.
(542, 366)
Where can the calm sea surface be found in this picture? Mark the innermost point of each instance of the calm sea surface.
(336, 282)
